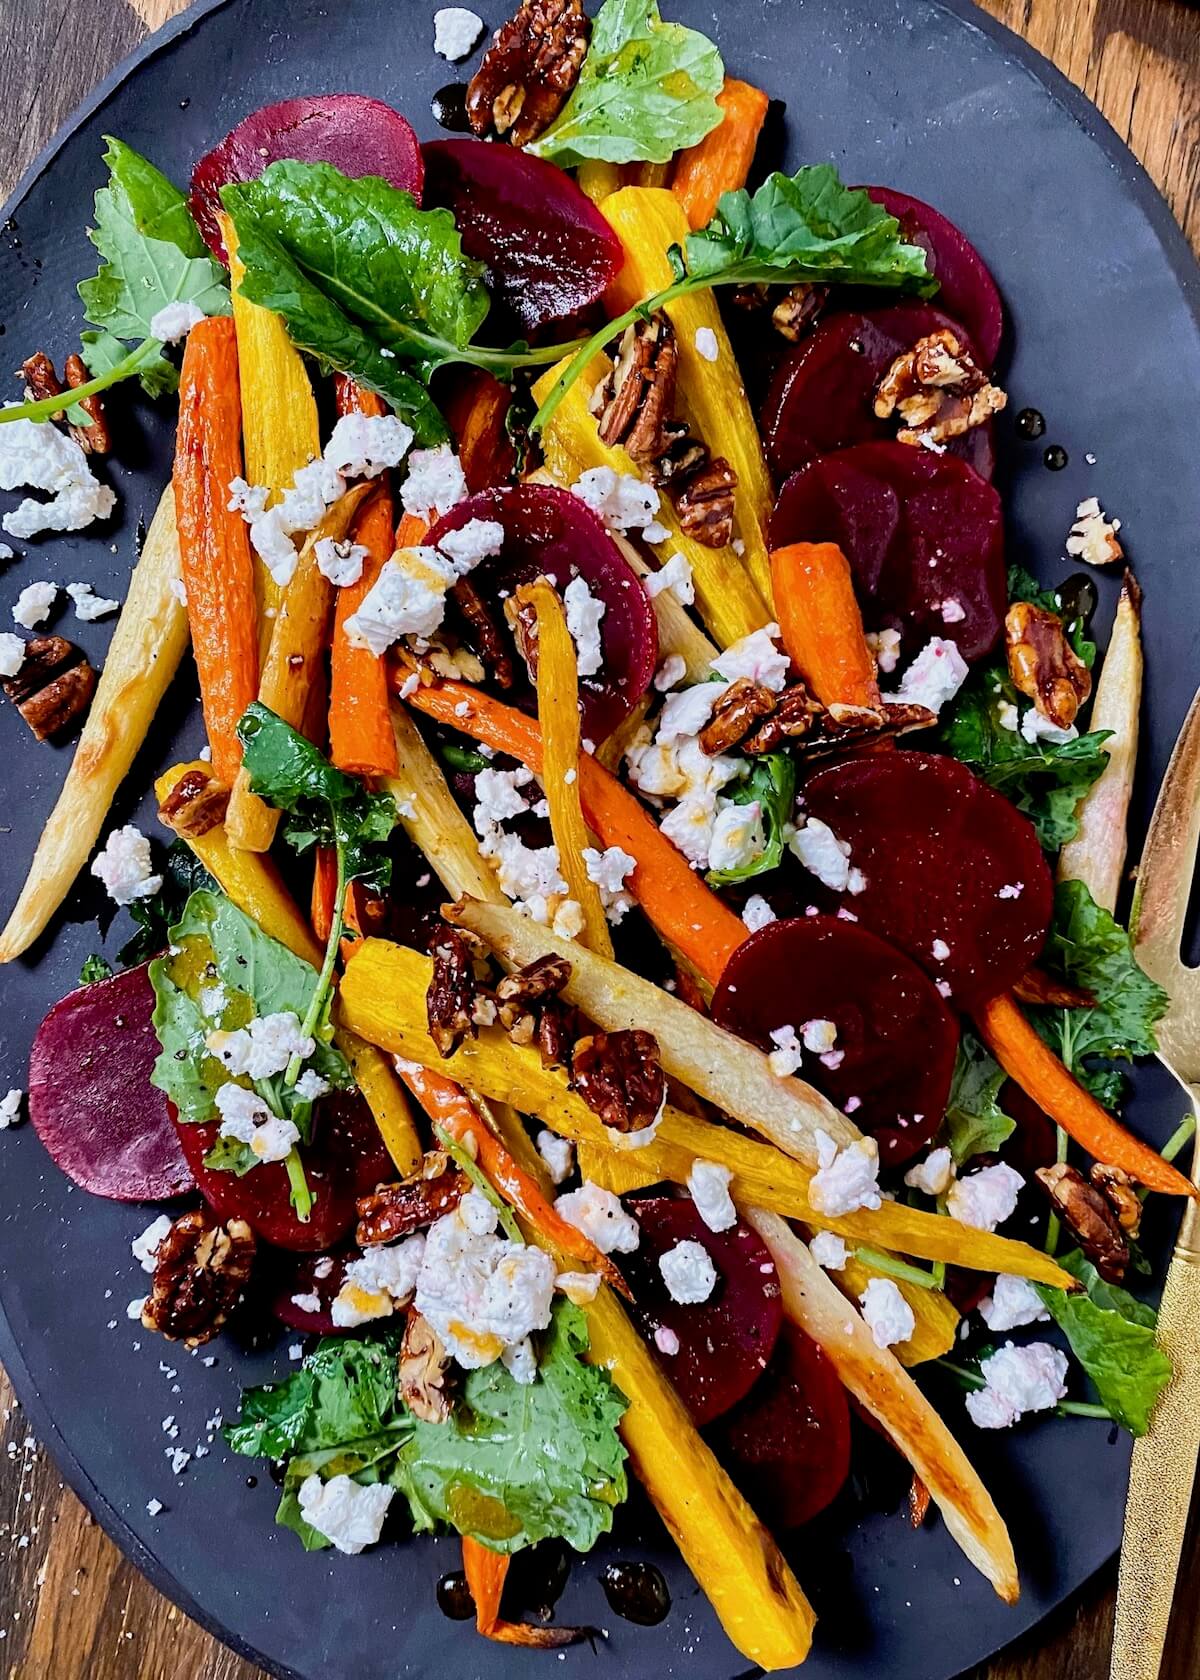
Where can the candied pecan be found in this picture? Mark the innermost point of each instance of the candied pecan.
(484, 632)
(937, 390)
(53, 688)
(528, 72)
(1043, 664)
(557, 1030)
(200, 1272)
(793, 717)
(681, 456)
(422, 1366)
(620, 1078)
(196, 804)
(704, 503)
(1117, 1188)
(797, 310)
(742, 706)
(521, 997)
(838, 728)
(397, 1210)
(1090, 1217)
(635, 402)
(453, 990)
(41, 381)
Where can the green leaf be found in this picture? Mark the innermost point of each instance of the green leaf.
(183, 875)
(1111, 1333)
(158, 208)
(94, 968)
(646, 90)
(184, 1071)
(272, 1419)
(975, 1122)
(772, 782)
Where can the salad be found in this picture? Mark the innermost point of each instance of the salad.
(633, 983)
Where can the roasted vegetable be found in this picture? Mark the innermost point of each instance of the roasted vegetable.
(432, 819)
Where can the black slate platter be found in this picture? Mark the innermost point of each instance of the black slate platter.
(929, 97)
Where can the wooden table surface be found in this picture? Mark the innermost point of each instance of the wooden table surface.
(71, 1608)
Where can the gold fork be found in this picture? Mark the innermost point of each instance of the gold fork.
(1164, 1460)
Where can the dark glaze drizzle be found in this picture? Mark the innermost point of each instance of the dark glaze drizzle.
(1031, 423)
(449, 105)
(636, 1591)
(454, 1597)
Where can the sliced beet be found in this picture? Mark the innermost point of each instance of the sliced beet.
(358, 135)
(724, 1342)
(345, 1160)
(551, 533)
(90, 1097)
(296, 1274)
(896, 1036)
(550, 253)
(967, 290)
(942, 854)
(918, 530)
(787, 1444)
(822, 396)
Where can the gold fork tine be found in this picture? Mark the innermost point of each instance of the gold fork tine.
(1168, 865)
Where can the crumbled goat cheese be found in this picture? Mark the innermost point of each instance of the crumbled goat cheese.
(934, 1175)
(310, 1086)
(1008, 717)
(885, 646)
(1013, 1303)
(247, 499)
(88, 605)
(886, 1313)
(12, 653)
(622, 501)
(584, 613)
(37, 456)
(788, 1053)
(1014, 889)
(364, 445)
(558, 1153)
(340, 562)
(706, 344)
(498, 796)
(10, 1109)
(144, 1248)
(34, 604)
(934, 677)
(264, 1047)
(609, 871)
(685, 714)
(377, 1282)
(348, 1514)
(757, 913)
(829, 1251)
(952, 611)
(737, 838)
(408, 598)
(529, 875)
(676, 577)
(274, 546)
(175, 321)
(819, 1036)
(1093, 537)
(756, 657)
(580, 1288)
(520, 1361)
(125, 866)
(1035, 728)
(478, 539)
(666, 1341)
(1019, 1380)
(600, 1216)
(846, 1179)
(310, 1303)
(986, 1198)
(688, 1272)
(709, 1185)
(455, 32)
(939, 950)
(154, 1507)
(134, 1309)
(826, 857)
(672, 670)
(435, 481)
(482, 1293)
(314, 488)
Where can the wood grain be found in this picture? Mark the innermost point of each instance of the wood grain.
(71, 1608)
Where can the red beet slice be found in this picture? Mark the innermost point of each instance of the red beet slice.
(551, 533)
(90, 1097)
(918, 529)
(822, 397)
(358, 135)
(938, 848)
(787, 1445)
(897, 1037)
(550, 253)
(346, 1160)
(967, 290)
(724, 1342)
(296, 1275)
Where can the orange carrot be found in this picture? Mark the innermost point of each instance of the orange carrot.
(476, 411)
(411, 531)
(821, 625)
(721, 161)
(324, 892)
(486, 1571)
(214, 548)
(360, 730)
(673, 896)
(1040, 1074)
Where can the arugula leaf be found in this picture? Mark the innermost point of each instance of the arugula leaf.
(159, 209)
(94, 968)
(975, 1122)
(1111, 1333)
(772, 782)
(646, 90)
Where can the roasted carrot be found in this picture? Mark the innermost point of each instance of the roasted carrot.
(486, 1572)
(821, 625)
(476, 412)
(1040, 1074)
(1036, 986)
(721, 161)
(360, 725)
(411, 531)
(674, 898)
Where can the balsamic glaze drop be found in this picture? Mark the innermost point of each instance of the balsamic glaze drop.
(1031, 423)
(251, 1481)
(449, 105)
(1078, 598)
(454, 1597)
(636, 1591)
(1056, 457)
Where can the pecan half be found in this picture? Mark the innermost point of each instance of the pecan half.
(484, 632)
(797, 310)
(635, 402)
(1043, 664)
(557, 1030)
(1090, 1218)
(937, 390)
(41, 381)
(53, 688)
(529, 71)
(1117, 1188)
(704, 503)
(450, 1002)
(422, 1366)
(794, 716)
(411, 1204)
(620, 1078)
(196, 804)
(838, 728)
(522, 621)
(522, 997)
(199, 1275)
(743, 705)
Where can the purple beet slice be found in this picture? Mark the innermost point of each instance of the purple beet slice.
(787, 1445)
(954, 874)
(297, 1275)
(90, 1097)
(967, 290)
(550, 254)
(918, 530)
(724, 1342)
(345, 1160)
(551, 533)
(896, 1036)
(358, 135)
(822, 396)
